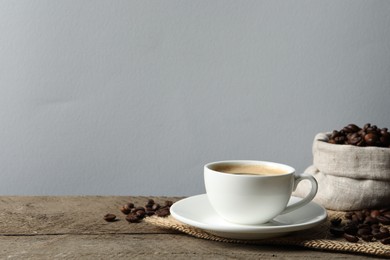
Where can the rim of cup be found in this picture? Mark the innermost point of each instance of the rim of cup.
(289, 169)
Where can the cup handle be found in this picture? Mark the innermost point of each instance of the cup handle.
(308, 198)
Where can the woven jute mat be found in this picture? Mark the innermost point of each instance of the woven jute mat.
(314, 238)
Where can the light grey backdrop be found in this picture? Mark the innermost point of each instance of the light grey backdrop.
(134, 97)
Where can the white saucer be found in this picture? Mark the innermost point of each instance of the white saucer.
(197, 211)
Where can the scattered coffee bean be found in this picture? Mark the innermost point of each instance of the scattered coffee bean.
(375, 213)
(381, 235)
(156, 206)
(336, 231)
(386, 241)
(135, 214)
(351, 238)
(168, 203)
(162, 212)
(335, 221)
(383, 220)
(126, 209)
(384, 229)
(369, 225)
(369, 135)
(367, 238)
(133, 218)
(109, 217)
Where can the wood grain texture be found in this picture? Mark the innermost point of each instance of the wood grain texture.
(73, 227)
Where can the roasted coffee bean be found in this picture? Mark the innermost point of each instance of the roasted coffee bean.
(386, 214)
(383, 220)
(336, 231)
(384, 230)
(381, 235)
(364, 231)
(133, 218)
(386, 241)
(156, 206)
(150, 202)
(360, 216)
(140, 213)
(340, 139)
(149, 212)
(351, 238)
(364, 226)
(370, 135)
(354, 139)
(351, 128)
(351, 229)
(375, 213)
(109, 217)
(162, 212)
(385, 139)
(375, 226)
(168, 203)
(126, 209)
(367, 238)
(335, 221)
(370, 220)
(366, 212)
(371, 138)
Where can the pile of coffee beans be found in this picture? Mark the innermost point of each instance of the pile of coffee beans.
(368, 225)
(369, 135)
(135, 214)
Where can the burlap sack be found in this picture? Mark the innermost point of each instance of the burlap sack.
(349, 177)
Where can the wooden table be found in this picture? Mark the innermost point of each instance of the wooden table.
(70, 227)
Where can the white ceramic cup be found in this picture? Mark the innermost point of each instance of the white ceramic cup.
(253, 199)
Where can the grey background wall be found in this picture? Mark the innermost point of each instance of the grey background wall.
(134, 97)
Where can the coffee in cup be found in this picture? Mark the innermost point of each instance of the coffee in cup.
(253, 192)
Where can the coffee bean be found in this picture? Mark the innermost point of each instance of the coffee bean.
(375, 232)
(351, 238)
(336, 231)
(162, 212)
(126, 209)
(384, 230)
(386, 241)
(133, 218)
(383, 220)
(335, 221)
(351, 229)
(367, 238)
(354, 139)
(168, 203)
(149, 212)
(371, 138)
(109, 217)
(375, 226)
(364, 231)
(364, 226)
(381, 235)
(386, 214)
(369, 135)
(370, 220)
(366, 126)
(156, 206)
(150, 202)
(375, 213)
(140, 213)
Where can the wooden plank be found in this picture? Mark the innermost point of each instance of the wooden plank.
(69, 215)
(145, 246)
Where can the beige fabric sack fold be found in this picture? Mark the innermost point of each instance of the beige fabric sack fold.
(349, 177)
